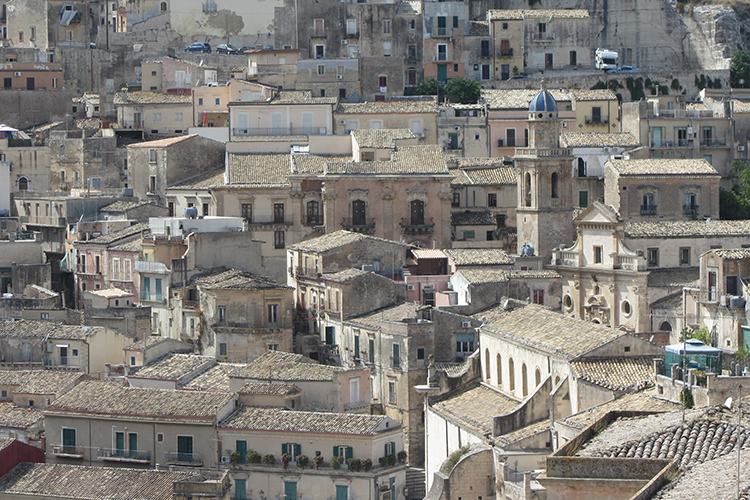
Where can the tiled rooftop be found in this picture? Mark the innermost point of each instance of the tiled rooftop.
(598, 140)
(335, 240)
(671, 302)
(428, 253)
(453, 370)
(261, 388)
(128, 232)
(234, 279)
(702, 438)
(661, 167)
(405, 160)
(134, 245)
(111, 293)
(121, 206)
(538, 327)
(502, 15)
(314, 164)
(618, 374)
(674, 277)
(173, 366)
(46, 329)
(732, 253)
(479, 28)
(300, 97)
(718, 476)
(504, 306)
(381, 138)
(88, 483)
(473, 218)
(261, 170)
(215, 379)
(126, 98)
(285, 366)
(392, 314)
(146, 343)
(201, 181)
(593, 95)
(40, 381)
(493, 174)
(277, 419)
(475, 407)
(479, 256)
(688, 229)
(532, 274)
(111, 398)
(518, 99)
(484, 276)
(16, 417)
(345, 276)
(407, 105)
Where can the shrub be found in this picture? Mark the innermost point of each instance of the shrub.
(302, 461)
(318, 461)
(235, 458)
(285, 459)
(355, 464)
(367, 464)
(401, 456)
(383, 461)
(686, 398)
(336, 462)
(269, 459)
(454, 458)
(253, 457)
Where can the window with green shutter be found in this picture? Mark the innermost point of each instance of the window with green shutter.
(293, 449)
(371, 347)
(396, 361)
(343, 451)
(390, 448)
(330, 335)
(356, 347)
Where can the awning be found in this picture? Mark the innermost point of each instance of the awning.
(61, 345)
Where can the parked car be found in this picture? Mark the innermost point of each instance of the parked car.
(225, 48)
(624, 69)
(198, 47)
(244, 49)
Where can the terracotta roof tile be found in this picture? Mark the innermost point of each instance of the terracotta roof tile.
(518, 99)
(495, 15)
(393, 314)
(674, 277)
(592, 95)
(285, 366)
(662, 167)
(598, 140)
(733, 253)
(263, 170)
(174, 366)
(315, 164)
(475, 407)
(406, 160)
(639, 401)
(473, 218)
(381, 138)
(215, 379)
(619, 374)
(483, 276)
(687, 229)
(201, 181)
(273, 389)
(336, 240)
(46, 329)
(479, 256)
(128, 232)
(126, 98)
(234, 279)
(16, 417)
(402, 105)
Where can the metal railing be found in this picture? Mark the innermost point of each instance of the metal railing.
(713, 143)
(310, 272)
(314, 221)
(420, 226)
(190, 304)
(442, 32)
(690, 209)
(124, 455)
(648, 209)
(59, 449)
(504, 53)
(43, 220)
(261, 131)
(363, 224)
(543, 37)
(183, 458)
(270, 220)
(596, 121)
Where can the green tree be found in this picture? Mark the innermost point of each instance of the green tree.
(701, 334)
(463, 90)
(732, 206)
(739, 69)
(431, 87)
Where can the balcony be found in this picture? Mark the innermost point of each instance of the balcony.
(690, 210)
(67, 451)
(43, 221)
(190, 304)
(189, 459)
(314, 221)
(318, 33)
(143, 266)
(713, 143)
(648, 209)
(503, 54)
(308, 272)
(543, 37)
(596, 121)
(270, 221)
(274, 131)
(359, 225)
(65, 362)
(417, 227)
(442, 32)
(118, 455)
(626, 262)
(546, 152)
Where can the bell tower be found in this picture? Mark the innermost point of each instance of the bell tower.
(545, 206)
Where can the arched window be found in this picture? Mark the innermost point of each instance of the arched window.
(553, 182)
(665, 327)
(527, 189)
(23, 184)
(499, 370)
(313, 213)
(487, 364)
(511, 374)
(417, 213)
(524, 380)
(537, 377)
(164, 6)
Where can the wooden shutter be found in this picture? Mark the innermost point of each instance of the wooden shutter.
(284, 448)
(335, 451)
(349, 452)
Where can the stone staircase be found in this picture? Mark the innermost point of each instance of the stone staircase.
(415, 482)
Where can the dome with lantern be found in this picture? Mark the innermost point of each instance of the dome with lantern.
(543, 105)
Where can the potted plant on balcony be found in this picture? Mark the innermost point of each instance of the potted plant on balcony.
(253, 457)
(336, 462)
(269, 459)
(302, 461)
(383, 461)
(317, 461)
(401, 456)
(285, 459)
(355, 464)
(235, 458)
(367, 464)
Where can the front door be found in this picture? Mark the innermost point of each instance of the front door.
(120, 444)
(184, 448)
(29, 84)
(417, 212)
(442, 72)
(657, 137)
(240, 489)
(358, 213)
(290, 490)
(278, 213)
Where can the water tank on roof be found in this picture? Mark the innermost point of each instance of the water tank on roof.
(737, 302)
(191, 212)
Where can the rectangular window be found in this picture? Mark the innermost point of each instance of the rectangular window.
(222, 314)
(222, 349)
(387, 26)
(273, 314)
(396, 360)
(69, 440)
(456, 201)
(178, 117)
(342, 492)
(247, 211)
(383, 81)
(442, 52)
(279, 239)
(583, 199)
(510, 137)
(200, 101)
(391, 392)
(598, 252)
(469, 235)
(653, 257)
(420, 352)
(684, 256)
(321, 69)
(492, 199)
(386, 49)
(539, 297)
(485, 71)
(351, 26)
(152, 155)
(731, 286)
(356, 347)
(157, 287)
(485, 48)
(205, 209)
(330, 333)
(371, 350)
(455, 21)
(157, 117)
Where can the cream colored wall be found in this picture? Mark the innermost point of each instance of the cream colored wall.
(428, 122)
(148, 80)
(610, 114)
(106, 347)
(259, 117)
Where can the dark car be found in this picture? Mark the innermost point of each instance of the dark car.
(624, 69)
(225, 48)
(198, 47)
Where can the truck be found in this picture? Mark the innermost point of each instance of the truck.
(606, 59)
